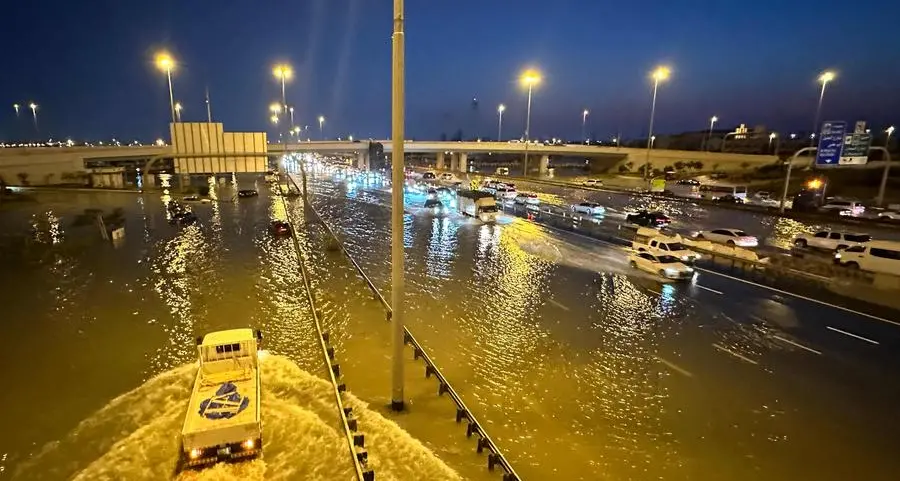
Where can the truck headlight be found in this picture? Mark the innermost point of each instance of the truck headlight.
(248, 444)
(195, 453)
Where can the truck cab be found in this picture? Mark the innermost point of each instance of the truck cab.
(223, 417)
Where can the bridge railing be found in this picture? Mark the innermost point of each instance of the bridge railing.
(473, 426)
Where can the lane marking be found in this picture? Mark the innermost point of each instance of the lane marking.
(797, 344)
(845, 309)
(551, 301)
(735, 354)
(708, 289)
(674, 367)
(655, 292)
(853, 335)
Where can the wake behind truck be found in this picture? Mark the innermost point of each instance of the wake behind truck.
(223, 417)
(478, 204)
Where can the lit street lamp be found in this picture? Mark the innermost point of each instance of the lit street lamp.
(887, 141)
(661, 73)
(774, 136)
(178, 108)
(887, 165)
(284, 73)
(16, 106)
(712, 122)
(827, 76)
(584, 116)
(291, 110)
(33, 106)
(529, 79)
(274, 119)
(165, 63)
(500, 109)
(321, 124)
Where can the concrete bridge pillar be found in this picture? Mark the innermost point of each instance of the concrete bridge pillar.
(440, 161)
(544, 165)
(362, 160)
(454, 162)
(463, 162)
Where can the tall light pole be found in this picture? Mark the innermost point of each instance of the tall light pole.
(397, 181)
(321, 126)
(529, 79)
(283, 73)
(178, 108)
(500, 109)
(774, 136)
(879, 200)
(165, 63)
(16, 107)
(660, 74)
(208, 108)
(584, 116)
(712, 122)
(291, 110)
(33, 106)
(827, 76)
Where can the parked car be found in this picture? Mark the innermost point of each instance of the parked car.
(183, 217)
(843, 207)
(831, 240)
(589, 208)
(648, 219)
(889, 215)
(666, 266)
(247, 193)
(728, 199)
(875, 256)
(592, 183)
(428, 176)
(732, 237)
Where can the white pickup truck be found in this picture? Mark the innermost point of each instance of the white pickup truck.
(223, 418)
(650, 240)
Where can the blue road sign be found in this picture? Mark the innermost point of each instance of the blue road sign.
(831, 143)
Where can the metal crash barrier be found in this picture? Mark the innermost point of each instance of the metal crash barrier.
(356, 440)
(495, 457)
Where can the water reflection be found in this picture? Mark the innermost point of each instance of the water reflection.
(442, 246)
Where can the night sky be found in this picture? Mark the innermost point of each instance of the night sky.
(89, 65)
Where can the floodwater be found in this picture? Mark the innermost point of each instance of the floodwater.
(99, 351)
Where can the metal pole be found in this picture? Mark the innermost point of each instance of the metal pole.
(650, 132)
(208, 109)
(500, 127)
(171, 95)
(879, 200)
(527, 130)
(584, 126)
(397, 167)
(787, 176)
(812, 139)
(709, 136)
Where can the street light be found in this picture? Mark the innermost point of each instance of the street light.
(291, 110)
(887, 141)
(712, 122)
(274, 119)
(879, 199)
(166, 63)
(275, 108)
(500, 109)
(529, 79)
(774, 136)
(178, 108)
(584, 116)
(33, 106)
(16, 106)
(284, 73)
(321, 123)
(660, 74)
(827, 76)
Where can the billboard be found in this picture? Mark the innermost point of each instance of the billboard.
(196, 139)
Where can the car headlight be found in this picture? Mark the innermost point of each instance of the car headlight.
(195, 453)
(837, 255)
(671, 272)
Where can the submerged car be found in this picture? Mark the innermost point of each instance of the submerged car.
(247, 193)
(280, 228)
(666, 266)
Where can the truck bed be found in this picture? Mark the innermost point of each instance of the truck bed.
(219, 403)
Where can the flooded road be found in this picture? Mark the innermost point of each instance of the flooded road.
(584, 369)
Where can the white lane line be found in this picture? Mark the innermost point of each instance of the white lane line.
(708, 289)
(845, 309)
(671, 365)
(655, 292)
(797, 344)
(735, 354)
(853, 335)
(551, 301)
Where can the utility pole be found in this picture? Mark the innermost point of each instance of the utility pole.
(397, 181)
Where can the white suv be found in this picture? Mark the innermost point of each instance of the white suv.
(592, 183)
(844, 207)
(876, 256)
(831, 240)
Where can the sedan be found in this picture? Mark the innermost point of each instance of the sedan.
(732, 237)
(728, 199)
(247, 193)
(589, 208)
(592, 183)
(436, 207)
(527, 198)
(648, 219)
(665, 266)
(889, 215)
(279, 228)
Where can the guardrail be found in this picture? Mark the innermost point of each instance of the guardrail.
(356, 440)
(473, 426)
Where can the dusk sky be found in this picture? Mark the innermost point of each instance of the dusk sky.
(89, 65)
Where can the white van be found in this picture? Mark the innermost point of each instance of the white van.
(876, 256)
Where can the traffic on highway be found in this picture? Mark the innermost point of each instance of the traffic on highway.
(634, 357)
